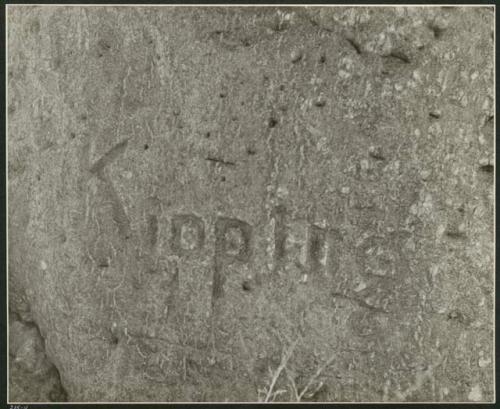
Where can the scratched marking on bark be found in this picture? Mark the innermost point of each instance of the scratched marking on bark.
(316, 248)
(152, 230)
(183, 224)
(109, 156)
(173, 295)
(228, 249)
(280, 234)
(358, 301)
(223, 255)
(119, 214)
(334, 251)
(151, 213)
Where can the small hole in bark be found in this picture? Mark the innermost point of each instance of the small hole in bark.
(437, 31)
(146, 147)
(320, 102)
(296, 56)
(207, 135)
(272, 122)
(246, 286)
(457, 316)
(223, 178)
(104, 263)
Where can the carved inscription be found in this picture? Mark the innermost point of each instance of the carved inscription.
(280, 233)
(152, 211)
(98, 169)
(318, 240)
(232, 243)
(152, 230)
(233, 237)
(316, 248)
(188, 233)
(335, 243)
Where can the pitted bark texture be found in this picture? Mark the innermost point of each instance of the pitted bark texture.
(252, 203)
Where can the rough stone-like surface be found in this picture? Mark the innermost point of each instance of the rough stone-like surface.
(244, 204)
(33, 377)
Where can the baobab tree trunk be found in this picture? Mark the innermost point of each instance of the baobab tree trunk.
(195, 190)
